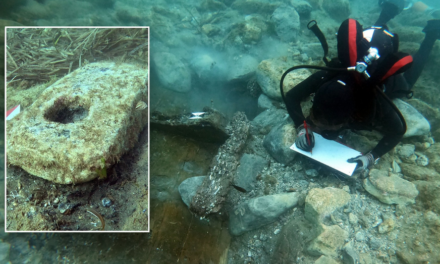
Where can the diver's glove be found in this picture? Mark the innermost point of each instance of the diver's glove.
(301, 139)
(365, 162)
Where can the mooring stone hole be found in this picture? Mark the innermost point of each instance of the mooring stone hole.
(64, 113)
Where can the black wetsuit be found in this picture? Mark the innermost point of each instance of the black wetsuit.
(383, 116)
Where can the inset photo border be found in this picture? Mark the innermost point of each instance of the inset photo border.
(77, 129)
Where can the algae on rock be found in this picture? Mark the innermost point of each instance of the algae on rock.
(87, 116)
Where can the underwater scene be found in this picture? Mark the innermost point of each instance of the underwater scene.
(247, 101)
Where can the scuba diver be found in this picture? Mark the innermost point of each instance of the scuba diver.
(354, 91)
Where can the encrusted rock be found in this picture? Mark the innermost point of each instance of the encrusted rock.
(82, 123)
(278, 143)
(260, 211)
(264, 102)
(414, 172)
(212, 192)
(349, 254)
(243, 69)
(416, 123)
(320, 203)
(188, 188)
(390, 189)
(173, 74)
(329, 242)
(302, 7)
(386, 226)
(268, 119)
(269, 74)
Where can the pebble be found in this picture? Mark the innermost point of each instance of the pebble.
(352, 218)
(422, 160)
(312, 173)
(360, 236)
(396, 167)
(277, 231)
(106, 202)
(64, 208)
(346, 188)
(56, 200)
(387, 226)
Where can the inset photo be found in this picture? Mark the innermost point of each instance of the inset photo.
(77, 133)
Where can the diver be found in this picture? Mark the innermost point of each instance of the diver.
(352, 100)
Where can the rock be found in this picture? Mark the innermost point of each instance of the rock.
(326, 260)
(328, 242)
(205, 66)
(211, 127)
(260, 211)
(416, 123)
(396, 168)
(269, 73)
(422, 160)
(429, 194)
(413, 172)
(82, 123)
(302, 7)
(250, 166)
(268, 119)
(320, 203)
(173, 74)
(188, 188)
(349, 255)
(390, 189)
(432, 114)
(278, 142)
(353, 219)
(286, 21)
(339, 10)
(406, 151)
(243, 69)
(264, 102)
(386, 226)
(254, 7)
(312, 173)
(360, 236)
(433, 154)
(210, 30)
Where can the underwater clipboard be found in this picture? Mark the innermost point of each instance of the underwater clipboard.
(332, 154)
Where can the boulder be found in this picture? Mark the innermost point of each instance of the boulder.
(173, 74)
(278, 142)
(329, 242)
(320, 203)
(260, 211)
(266, 120)
(188, 188)
(81, 124)
(205, 66)
(250, 166)
(416, 123)
(243, 69)
(413, 172)
(269, 73)
(302, 7)
(390, 189)
(286, 21)
(264, 102)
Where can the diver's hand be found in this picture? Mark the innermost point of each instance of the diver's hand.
(301, 139)
(364, 162)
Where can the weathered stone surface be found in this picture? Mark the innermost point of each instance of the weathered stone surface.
(87, 116)
(173, 74)
(429, 194)
(260, 211)
(320, 203)
(278, 143)
(188, 188)
(329, 242)
(214, 189)
(268, 119)
(286, 21)
(269, 73)
(326, 260)
(250, 166)
(413, 172)
(211, 127)
(390, 189)
(243, 69)
(416, 123)
(302, 7)
(264, 102)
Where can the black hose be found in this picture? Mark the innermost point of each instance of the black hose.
(313, 26)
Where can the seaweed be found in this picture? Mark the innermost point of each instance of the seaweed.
(102, 172)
